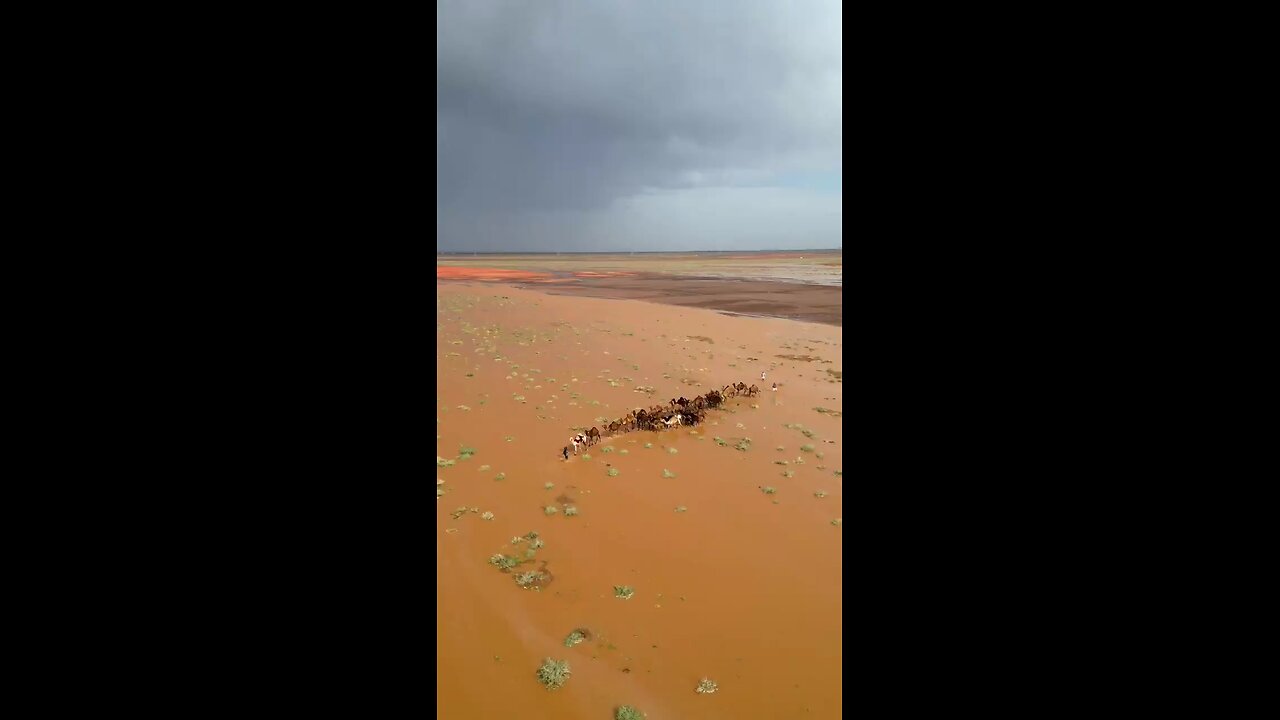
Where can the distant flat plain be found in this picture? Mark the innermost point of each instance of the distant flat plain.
(802, 285)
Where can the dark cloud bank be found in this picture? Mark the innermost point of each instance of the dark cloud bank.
(609, 125)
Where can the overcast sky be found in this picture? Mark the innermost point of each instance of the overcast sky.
(645, 125)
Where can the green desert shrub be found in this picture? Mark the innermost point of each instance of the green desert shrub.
(623, 591)
(553, 673)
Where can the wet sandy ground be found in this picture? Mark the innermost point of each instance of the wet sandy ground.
(823, 267)
(794, 287)
(741, 586)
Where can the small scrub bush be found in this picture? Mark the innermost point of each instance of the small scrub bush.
(548, 486)
(626, 712)
(673, 451)
(570, 511)
(807, 448)
(503, 562)
(613, 472)
(526, 579)
(769, 489)
(648, 445)
(706, 686)
(575, 637)
(553, 673)
(487, 516)
(788, 473)
(586, 456)
(550, 510)
(623, 591)
(441, 462)
(837, 522)
(465, 452)
(681, 508)
(500, 476)
(820, 494)
(606, 449)
(483, 468)
(668, 474)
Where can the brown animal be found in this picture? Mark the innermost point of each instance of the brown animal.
(740, 387)
(752, 391)
(614, 427)
(593, 436)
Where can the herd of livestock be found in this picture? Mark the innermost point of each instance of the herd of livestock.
(680, 411)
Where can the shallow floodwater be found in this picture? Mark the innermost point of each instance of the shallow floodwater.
(741, 586)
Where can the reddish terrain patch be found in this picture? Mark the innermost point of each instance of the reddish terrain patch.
(466, 273)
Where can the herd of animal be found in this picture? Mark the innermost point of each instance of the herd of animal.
(680, 411)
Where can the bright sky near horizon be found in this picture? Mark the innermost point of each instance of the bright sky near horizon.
(656, 125)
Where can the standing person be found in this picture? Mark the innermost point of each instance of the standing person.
(761, 376)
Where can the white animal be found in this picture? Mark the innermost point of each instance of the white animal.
(574, 440)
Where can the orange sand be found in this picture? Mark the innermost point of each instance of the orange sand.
(466, 273)
(738, 589)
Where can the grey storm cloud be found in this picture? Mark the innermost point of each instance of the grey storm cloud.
(616, 125)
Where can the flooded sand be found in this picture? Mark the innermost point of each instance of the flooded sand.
(735, 588)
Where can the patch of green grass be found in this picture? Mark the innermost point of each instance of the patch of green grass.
(613, 472)
(553, 673)
(626, 712)
(668, 474)
(606, 449)
(807, 448)
(586, 456)
(819, 455)
(466, 452)
(623, 451)
(623, 591)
